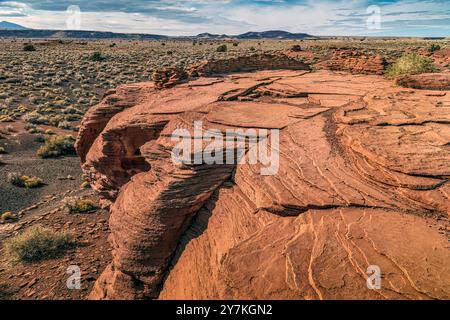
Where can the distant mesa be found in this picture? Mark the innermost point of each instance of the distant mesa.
(5, 25)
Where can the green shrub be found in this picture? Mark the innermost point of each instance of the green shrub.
(56, 146)
(23, 181)
(29, 47)
(410, 64)
(222, 48)
(38, 243)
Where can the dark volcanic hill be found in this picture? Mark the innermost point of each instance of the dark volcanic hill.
(274, 34)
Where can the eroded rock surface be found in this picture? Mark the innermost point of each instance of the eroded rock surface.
(363, 181)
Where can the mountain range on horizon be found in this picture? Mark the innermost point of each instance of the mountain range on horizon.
(8, 29)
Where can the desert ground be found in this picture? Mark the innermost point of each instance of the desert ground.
(358, 196)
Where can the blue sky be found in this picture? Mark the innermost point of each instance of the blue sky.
(188, 17)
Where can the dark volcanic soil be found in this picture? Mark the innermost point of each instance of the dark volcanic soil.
(21, 158)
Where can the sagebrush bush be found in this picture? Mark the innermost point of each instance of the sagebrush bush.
(29, 47)
(296, 48)
(222, 48)
(74, 205)
(23, 181)
(97, 56)
(38, 243)
(410, 64)
(8, 216)
(56, 146)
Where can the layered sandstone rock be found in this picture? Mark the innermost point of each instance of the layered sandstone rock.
(429, 81)
(355, 62)
(362, 182)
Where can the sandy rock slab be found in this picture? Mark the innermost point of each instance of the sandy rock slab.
(356, 207)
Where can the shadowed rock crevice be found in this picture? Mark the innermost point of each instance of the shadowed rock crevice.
(121, 156)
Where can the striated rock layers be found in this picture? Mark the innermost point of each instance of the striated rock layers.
(362, 185)
(354, 62)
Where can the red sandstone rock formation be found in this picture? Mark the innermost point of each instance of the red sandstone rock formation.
(429, 81)
(363, 181)
(168, 77)
(354, 62)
